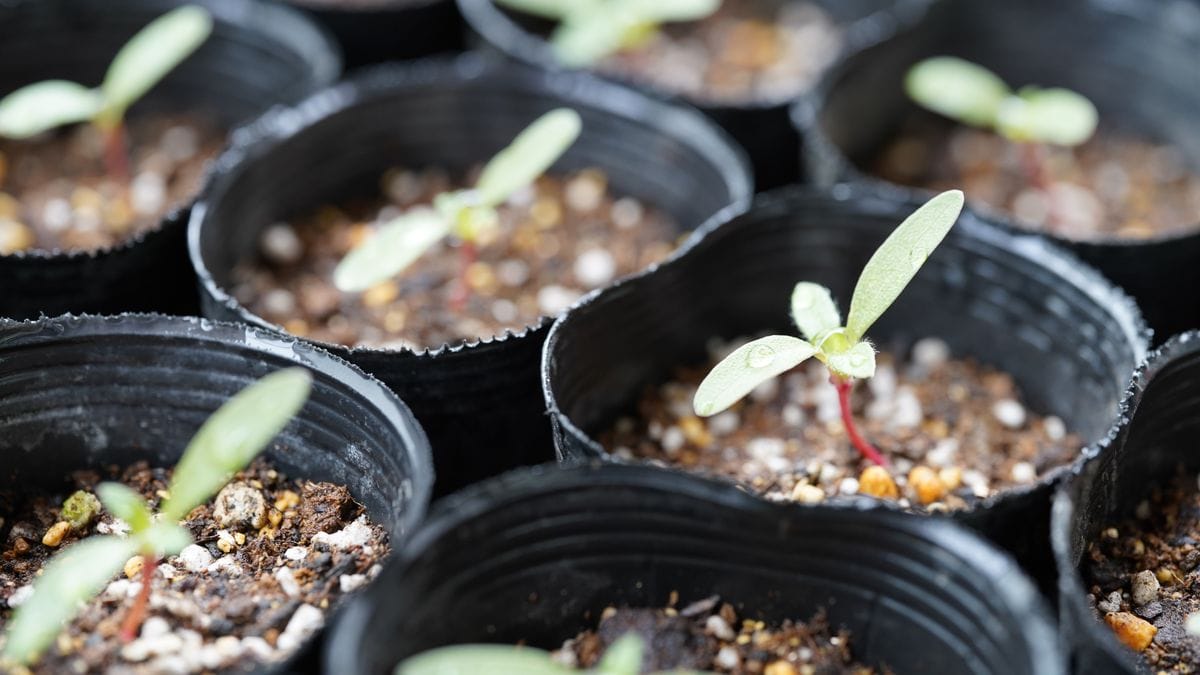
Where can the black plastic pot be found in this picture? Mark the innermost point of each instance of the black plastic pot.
(529, 556)
(1153, 439)
(92, 392)
(480, 402)
(762, 127)
(374, 31)
(1133, 53)
(1069, 339)
(258, 55)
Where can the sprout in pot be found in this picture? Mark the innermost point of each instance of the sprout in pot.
(437, 264)
(82, 188)
(178, 607)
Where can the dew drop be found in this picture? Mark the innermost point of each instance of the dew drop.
(760, 357)
(917, 257)
(857, 360)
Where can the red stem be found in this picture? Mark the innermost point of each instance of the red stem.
(137, 613)
(844, 386)
(116, 158)
(462, 290)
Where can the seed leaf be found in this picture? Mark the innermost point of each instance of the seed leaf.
(623, 657)
(152, 53)
(895, 263)
(661, 11)
(228, 441)
(813, 309)
(393, 248)
(528, 156)
(747, 367)
(856, 362)
(165, 539)
(42, 106)
(584, 38)
(126, 504)
(1056, 116)
(548, 9)
(475, 659)
(957, 89)
(76, 575)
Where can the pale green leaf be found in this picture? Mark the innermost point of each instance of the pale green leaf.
(897, 261)
(747, 367)
(556, 10)
(532, 152)
(1056, 116)
(126, 504)
(623, 657)
(583, 39)
(957, 89)
(393, 248)
(165, 538)
(152, 53)
(75, 575)
(230, 439)
(662, 11)
(813, 309)
(856, 362)
(479, 659)
(42, 106)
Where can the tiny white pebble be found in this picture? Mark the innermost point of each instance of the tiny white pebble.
(626, 212)
(512, 272)
(808, 494)
(56, 214)
(1023, 472)
(181, 143)
(167, 571)
(724, 423)
(848, 486)
(792, 415)
(727, 658)
(287, 582)
(907, 412)
(595, 267)
(764, 448)
(1056, 430)
(20, 596)
(930, 352)
(719, 628)
(1110, 604)
(279, 301)
(357, 533)
(765, 391)
(280, 244)
(1010, 413)
(554, 299)
(155, 626)
(673, 440)
(195, 558)
(147, 193)
(296, 553)
(257, 647)
(504, 311)
(1143, 588)
(943, 452)
(304, 622)
(226, 565)
(351, 582)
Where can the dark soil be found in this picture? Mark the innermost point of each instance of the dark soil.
(708, 636)
(954, 432)
(556, 241)
(249, 591)
(1112, 187)
(56, 194)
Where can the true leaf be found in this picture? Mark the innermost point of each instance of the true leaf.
(42, 106)
(623, 657)
(1056, 116)
(228, 441)
(528, 156)
(165, 538)
(581, 40)
(895, 263)
(152, 53)
(393, 248)
(73, 576)
(856, 362)
(813, 309)
(957, 89)
(126, 504)
(476, 659)
(747, 367)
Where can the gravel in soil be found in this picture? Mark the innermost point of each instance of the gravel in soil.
(955, 432)
(56, 194)
(708, 635)
(1112, 187)
(556, 240)
(272, 556)
(1143, 575)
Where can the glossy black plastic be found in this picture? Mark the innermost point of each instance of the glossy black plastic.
(374, 31)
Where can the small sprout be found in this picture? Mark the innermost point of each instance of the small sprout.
(842, 348)
(589, 30)
(623, 657)
(80, 508)
(225, 444)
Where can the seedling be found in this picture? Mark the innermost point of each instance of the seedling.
(140, 64)
(842, 348)
(1032, 116)
(467, 215)
(227, 442)
(624, 657)
(589, 30)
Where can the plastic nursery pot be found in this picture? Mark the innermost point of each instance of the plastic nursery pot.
(479, 402)
(1095, 48)
(762, 127)
(258, 55)
(536, 555)
(373, 31)
(1152, 441)
(92, 392)
(1067, 337)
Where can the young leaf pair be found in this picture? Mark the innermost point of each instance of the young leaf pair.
(227, 442)
(623, 657)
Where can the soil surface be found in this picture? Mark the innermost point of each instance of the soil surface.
(56, 193)
(272, 556)
(1144, 576)
(708, 636)
(1112, 187)
(954, 432)
(556, 240)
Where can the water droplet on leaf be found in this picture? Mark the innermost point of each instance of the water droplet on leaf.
(760, 357)
(857, 360)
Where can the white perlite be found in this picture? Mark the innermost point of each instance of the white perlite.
(195, 558)
(595, 267)
(306, 621)
(354, 534)
(296, 553)
(1009, 413)
(719, 628)
(351, 582)
(20, 596)
(287, 582)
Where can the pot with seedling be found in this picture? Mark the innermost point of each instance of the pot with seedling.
(1073, 154)
(740, 61)
(1000, 359)
(229, 561)
(432, 254)
(102, 142)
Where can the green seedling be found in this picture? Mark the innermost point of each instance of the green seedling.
(589, 30)
(841, 347)
(226, 443)
(624, 657)
(467, 215)
(140, 64)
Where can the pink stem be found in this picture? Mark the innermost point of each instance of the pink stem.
(137, 613)
(844, 386)
(462, 289)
